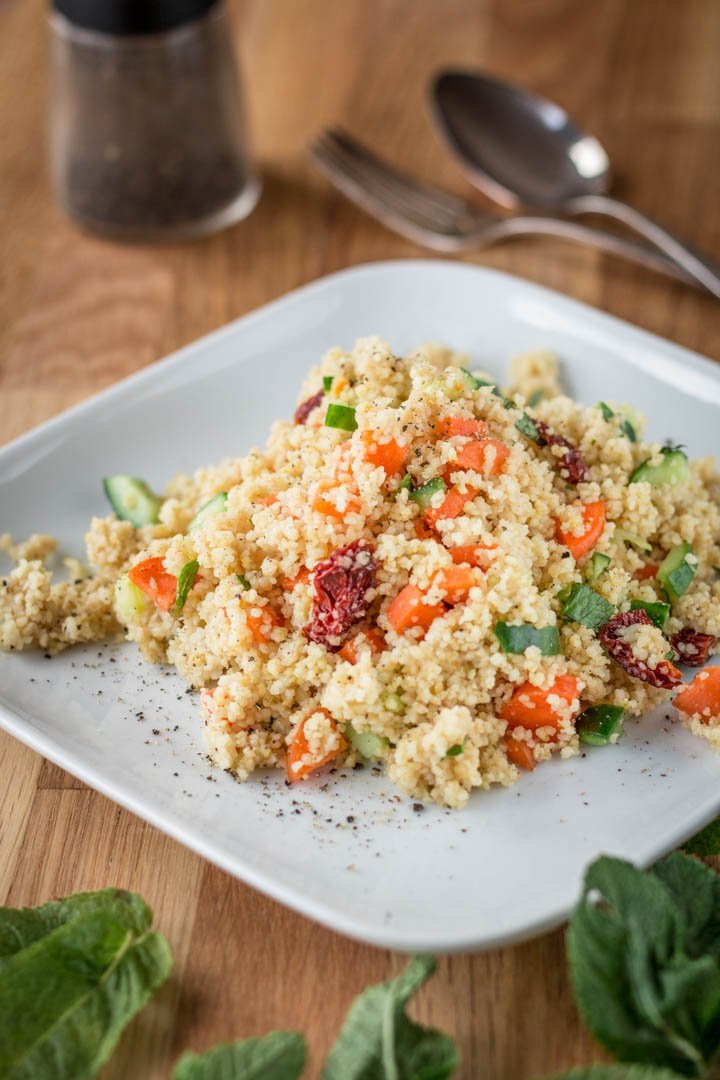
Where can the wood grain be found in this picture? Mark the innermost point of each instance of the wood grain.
(77, 313)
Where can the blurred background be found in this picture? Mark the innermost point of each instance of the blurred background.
(79, 311)
(643, 75)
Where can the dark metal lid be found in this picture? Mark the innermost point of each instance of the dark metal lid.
(132, 16)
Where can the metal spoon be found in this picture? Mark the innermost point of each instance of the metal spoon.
(525, 151)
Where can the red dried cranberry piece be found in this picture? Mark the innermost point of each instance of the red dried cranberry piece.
(692, 647)
(341, 582)
(572, 464)
(665, 675)
(303, 410)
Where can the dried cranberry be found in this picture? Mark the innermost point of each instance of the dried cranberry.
(665, 675)
(303, 410)
(341, 583)
(692, 647)
(572, 464)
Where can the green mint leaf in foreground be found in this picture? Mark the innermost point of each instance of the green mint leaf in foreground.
(68, 990)
(617, 1072)
(379, 1042)
(278, 1056)
(20, 927)
(643, 960)
(706, 842)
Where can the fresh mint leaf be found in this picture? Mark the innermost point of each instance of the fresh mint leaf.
(528, 428)
(67, 992)
(695, 888)
(379, 1042)
(706, 842)
(617, 1072)
(585, 606)
(185, 583)
(536, 398)
(647, 989)
(20, 927)
(280, 1055)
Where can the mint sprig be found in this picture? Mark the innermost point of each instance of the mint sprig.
(379, 1040)
(644, 954)
(73, 973)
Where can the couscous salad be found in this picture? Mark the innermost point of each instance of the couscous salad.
(419, 569)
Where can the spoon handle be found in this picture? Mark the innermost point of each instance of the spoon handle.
(700, 267)
(620, 246)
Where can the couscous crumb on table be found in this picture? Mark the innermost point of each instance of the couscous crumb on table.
(417, 570)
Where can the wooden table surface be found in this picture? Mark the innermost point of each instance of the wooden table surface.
(78, 313)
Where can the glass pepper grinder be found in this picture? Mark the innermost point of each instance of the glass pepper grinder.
(147, 133)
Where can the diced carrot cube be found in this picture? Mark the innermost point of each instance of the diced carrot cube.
(452, 505)
(323, 505)
(649, 570)
(530, 707)
(374, 638)
(261, 626)
(301, 578)
(474, 554)
(409, 609)
(423, 530)
(520, 753)
(593, 515)
(151, 576)
(456, 582)
(701, 696)
(461, 425)
(298, 762)
(484, 456)
(390, 455)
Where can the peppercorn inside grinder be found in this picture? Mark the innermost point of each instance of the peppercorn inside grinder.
(147, 132)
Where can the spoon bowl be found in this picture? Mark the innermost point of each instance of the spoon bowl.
(526, 153)
(525, 148)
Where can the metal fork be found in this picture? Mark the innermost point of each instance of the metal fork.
(436, 219)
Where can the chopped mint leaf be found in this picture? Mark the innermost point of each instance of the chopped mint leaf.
(585, 606)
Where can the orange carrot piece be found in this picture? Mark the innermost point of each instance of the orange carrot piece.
(649, 570)
(452, 505)
(529, 706)
(261, 626)
(295, 764)
(151, 576)
(456, 582)
(593, 515)
(373, 636)
(702, 695)
(473, 554)
(484, 456)
(301, 578)
(520, 753)
(390, 456)
(326, 506)
(409, 609)
(423, 530)
(461, 425)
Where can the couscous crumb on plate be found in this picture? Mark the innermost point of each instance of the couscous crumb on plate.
(417, 570)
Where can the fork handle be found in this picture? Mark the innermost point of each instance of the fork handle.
(526, 225)
(694, 263)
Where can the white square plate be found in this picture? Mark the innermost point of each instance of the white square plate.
(347, 850)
